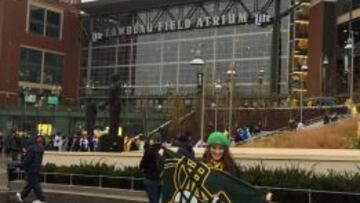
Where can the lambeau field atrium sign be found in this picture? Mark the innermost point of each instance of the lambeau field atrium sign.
(186, 24)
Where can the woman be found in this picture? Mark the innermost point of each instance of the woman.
(217, 154)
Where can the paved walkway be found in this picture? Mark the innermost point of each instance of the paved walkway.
(3, 175)
(3, 161)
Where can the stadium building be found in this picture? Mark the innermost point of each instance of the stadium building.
(150, 45)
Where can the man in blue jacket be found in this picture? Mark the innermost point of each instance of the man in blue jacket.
(31, 164)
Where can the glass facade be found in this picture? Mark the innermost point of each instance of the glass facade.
(153, 62)
(345, 6)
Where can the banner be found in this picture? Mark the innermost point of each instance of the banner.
(189, 181)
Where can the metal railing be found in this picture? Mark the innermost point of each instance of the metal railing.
(309, 192)
(72, 179)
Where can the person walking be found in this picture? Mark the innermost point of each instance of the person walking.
(57, 142)
(14, 146)
(152, 171)
(31, 164)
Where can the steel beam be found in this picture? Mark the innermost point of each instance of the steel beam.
(276, 52)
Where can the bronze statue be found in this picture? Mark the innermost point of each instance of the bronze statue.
(90, 114)
(112, 142)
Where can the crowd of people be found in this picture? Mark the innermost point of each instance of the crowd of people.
(243, 134)
(330, 118)
(13, 143)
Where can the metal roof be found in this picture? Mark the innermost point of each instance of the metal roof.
(117, 6)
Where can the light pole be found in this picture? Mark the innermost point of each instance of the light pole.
(218, 88)
(213, 106)
(261, 81)
(350, 46)
(26, 99)
(89, 88)
(324, 78)
(53, 100)
(127, 92)
(304, 68)
(231, 74)
(199, 64)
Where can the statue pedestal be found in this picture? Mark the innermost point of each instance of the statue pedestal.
(110, 143)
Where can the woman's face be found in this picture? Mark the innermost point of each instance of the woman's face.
(217, 152)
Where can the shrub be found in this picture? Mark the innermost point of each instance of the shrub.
(291, 177)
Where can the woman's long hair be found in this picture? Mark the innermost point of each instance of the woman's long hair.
(227, 161)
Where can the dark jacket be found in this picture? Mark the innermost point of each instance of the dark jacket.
(186, 149)
(149, 163)
(31, 162)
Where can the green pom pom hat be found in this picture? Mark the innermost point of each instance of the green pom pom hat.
(218, 138)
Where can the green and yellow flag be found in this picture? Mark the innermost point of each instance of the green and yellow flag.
(189, 181)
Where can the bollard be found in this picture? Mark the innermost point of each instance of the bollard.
(45, 178)
(71, 179)
(132, 183)
(100, 181)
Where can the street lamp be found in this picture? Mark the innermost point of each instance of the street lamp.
(261, 81)
(304, 68)
(127, 92)
(26, 99)
(89, 88)
(199, 63)
(231, 74)
(218, 88)
(324, 78)
(350, 46)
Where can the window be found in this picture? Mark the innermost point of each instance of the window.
(37, 16)
(36, 69)
(53, 24)
(44, 22)
(30, 65)
(53, 68)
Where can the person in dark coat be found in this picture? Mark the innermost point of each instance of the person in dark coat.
(14, 146)
(149, 165)
(31, 164)
(185, 147)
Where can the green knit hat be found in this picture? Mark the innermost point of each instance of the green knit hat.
(218, 138)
